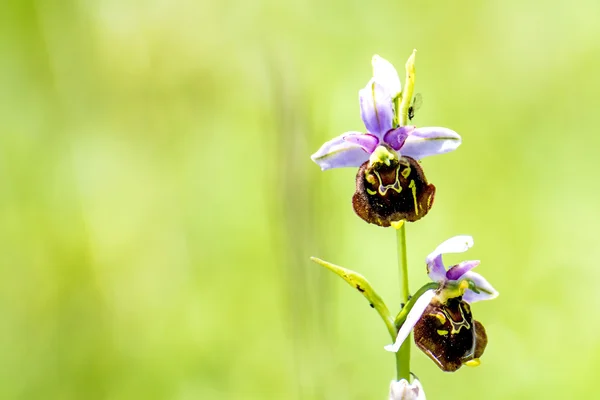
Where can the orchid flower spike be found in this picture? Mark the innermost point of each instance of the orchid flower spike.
(390, 184)
(402, 390)
(444, 327)
(352, 149)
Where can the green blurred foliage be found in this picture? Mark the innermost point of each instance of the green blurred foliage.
(159, 205)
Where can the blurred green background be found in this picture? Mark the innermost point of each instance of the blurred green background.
(159, 205)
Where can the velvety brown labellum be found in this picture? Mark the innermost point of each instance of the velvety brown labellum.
(388, 193)
(449, 335)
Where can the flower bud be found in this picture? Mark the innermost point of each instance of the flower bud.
(402, 390)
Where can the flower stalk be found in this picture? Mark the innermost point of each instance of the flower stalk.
(401, 111)
(403, 356)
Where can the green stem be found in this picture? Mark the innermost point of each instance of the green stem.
(403, 355)
(403, 263)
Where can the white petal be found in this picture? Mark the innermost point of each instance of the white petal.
(456, 244)
(411, 319)
(420, 390)
(386, 75)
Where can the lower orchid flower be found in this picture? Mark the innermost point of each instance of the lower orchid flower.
(444, 327)
(390, 184)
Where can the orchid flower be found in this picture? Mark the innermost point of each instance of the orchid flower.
(390, 184)
(402, 390)
(377, 105)
(444, 327)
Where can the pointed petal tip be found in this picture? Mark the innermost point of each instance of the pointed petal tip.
(315, 158)
(340, 153)
(376, 58)
(456, 244)
(486, 290)
(385, 74)
(392, 348)
(429, 141)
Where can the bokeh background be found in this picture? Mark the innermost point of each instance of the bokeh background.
(158, 204)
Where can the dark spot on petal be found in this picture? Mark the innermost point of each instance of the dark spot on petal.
(372, 305)
(360, 289)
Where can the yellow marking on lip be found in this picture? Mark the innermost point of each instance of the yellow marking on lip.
(457, 326)
(440, 317)
(429, 201)
(442, 332)
(413, 186)
(406, 172)
(473, 363)
(394, 186)
(397, 224)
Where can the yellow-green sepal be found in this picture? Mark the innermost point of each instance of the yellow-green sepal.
(407, 93)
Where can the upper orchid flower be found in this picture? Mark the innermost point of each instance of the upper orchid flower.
(377, 108)
(390, 184)
(444, 327)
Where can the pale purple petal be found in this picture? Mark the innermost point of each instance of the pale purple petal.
(338, 153)
(396, 137)
(429, 141)
(386, 75)
(411, 319)
(376, 108)
(367, 141)
(486, 291)
(435, 265)
(457, 271)
(435, 269)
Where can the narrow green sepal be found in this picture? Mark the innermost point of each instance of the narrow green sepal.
(401, 317)
(360, 283)
(407, 92)
(472, 286)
